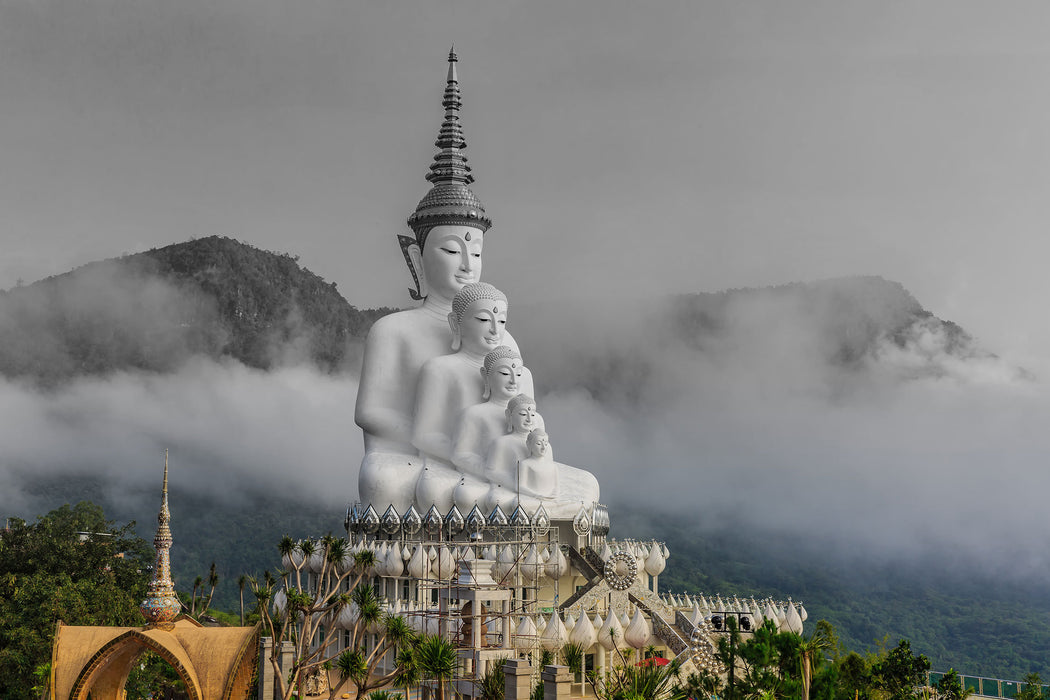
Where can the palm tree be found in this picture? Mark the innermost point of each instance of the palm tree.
(808, 649)
(213, 581)
(241, 581)
(493, 685)
(436, 658)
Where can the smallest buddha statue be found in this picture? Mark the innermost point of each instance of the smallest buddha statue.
(501, 461)
(538, 473)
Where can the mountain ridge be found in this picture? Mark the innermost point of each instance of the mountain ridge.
(218, 297)
(227, 301)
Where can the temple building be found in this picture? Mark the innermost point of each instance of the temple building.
(479, 534)
(212, 662)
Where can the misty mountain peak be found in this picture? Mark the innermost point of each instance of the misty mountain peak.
(152, 311)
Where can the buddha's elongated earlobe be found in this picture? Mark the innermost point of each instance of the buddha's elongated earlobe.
(415, 256)
(486, 392)
(453, 324)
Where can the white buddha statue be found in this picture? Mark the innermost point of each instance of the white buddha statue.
(449, 384)
(444, 255)
(504, 376)
(422, 401)
(523, 462)
(501, 461)
(538, 473)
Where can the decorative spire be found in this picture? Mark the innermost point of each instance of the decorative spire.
(161, 606)
(450, 201)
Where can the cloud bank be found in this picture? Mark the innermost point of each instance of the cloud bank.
(887, 434)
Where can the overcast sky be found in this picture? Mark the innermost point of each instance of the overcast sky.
(657, 146)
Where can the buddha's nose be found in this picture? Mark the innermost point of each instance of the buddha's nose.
(465, 263)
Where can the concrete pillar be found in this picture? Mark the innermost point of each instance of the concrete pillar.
(557, 683)
(265, 669)
(518, 679)
(287, 659)
(507, 624)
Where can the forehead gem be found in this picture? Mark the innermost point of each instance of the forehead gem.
(495, 309)
(467, 236)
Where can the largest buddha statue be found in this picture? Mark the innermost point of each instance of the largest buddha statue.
(405, 431)
(443, 255)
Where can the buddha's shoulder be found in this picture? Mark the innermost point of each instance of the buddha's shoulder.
(408, 318)
(408, 325)
(481, 410)
(440, 363)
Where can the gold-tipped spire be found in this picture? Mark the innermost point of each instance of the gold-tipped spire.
(162, 606)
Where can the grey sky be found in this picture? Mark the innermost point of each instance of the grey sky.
(661, 146)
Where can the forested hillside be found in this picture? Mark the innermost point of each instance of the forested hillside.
(151, 311)
(650, 364)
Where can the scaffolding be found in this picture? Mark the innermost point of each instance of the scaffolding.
(482, 584)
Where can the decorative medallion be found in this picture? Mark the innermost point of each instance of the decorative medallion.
(455, 521)
(519, 518)
(433, 522)
(621, 571)
(391, 521)
(541, 521)
(475, 520)
(498, 518)
(581, 524)
(370, 521)
(412, 521)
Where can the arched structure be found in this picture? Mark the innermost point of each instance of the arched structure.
(213, 662)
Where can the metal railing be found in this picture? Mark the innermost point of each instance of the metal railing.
(986, 687)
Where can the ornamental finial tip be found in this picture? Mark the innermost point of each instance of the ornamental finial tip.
(453, 77)
(165, 487)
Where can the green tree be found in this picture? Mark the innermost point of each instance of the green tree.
(854, 677)
(436, 660)
(702, 686)
(71, 565)
(358, 665)
(493, 685)
(1033, 688)
(629, 681)
(153, 678)
(900, 672)
(303, 610)
(950, 687)
(242, 581)
(811, 655)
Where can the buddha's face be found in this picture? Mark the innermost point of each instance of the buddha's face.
(483, 325)
(505, 379)
(538, 444)
(523, 418)
(451, 258)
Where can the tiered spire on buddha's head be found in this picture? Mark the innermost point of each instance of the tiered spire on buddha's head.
(450, 200)
(162, 606)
